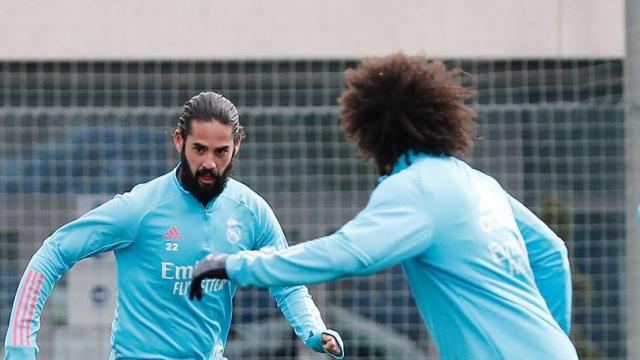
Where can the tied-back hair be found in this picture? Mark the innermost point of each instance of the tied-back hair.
(399, 103)
(210, 106)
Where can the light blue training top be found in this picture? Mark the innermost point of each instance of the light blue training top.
(490, 279)
(158, 231)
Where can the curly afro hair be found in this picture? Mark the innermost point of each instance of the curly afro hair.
(399, 103)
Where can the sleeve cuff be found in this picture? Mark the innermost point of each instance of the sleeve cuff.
(20, 352)
(232, 265)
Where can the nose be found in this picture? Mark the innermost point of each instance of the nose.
(208, 163)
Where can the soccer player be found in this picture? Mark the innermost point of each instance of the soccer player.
(491, 280)
(157, 231)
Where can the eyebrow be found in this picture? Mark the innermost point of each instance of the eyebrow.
(197, 144)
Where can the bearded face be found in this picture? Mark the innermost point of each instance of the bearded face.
(206, 156)
(204, 184)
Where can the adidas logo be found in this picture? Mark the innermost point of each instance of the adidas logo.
(172, 234)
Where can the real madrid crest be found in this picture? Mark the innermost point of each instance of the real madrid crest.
(234, 232)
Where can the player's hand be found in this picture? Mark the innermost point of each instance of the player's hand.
(210, 267)
(328, 341)
(331, 345)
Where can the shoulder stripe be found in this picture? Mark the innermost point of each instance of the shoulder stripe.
(32, 307)
(16, 319)
(21, 332)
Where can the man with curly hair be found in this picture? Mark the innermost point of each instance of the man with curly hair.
(491, 280)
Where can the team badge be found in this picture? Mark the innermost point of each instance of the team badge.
(234, 232)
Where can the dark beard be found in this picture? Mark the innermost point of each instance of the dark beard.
(206, 193)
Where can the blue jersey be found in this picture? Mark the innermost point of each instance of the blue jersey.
(158, 231)
(490, 279)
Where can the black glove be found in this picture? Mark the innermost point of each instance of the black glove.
(210, 267)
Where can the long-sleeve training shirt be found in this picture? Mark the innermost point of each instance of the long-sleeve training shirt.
(158, 231)
(490, 279)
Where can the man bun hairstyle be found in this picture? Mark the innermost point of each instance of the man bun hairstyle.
(209, 106)
(399, 103)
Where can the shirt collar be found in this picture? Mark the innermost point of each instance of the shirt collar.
(404, 161)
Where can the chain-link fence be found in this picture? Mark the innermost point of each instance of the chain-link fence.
(75, 133)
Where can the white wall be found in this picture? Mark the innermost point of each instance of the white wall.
(233, 29)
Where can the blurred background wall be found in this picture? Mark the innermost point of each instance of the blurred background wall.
(291, 29)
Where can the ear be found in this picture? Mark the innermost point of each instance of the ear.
(236, 146)
(178, 140)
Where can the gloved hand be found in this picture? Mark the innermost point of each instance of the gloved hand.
(210, 267)
(328, 341)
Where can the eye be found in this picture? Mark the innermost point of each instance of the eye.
(199, 149)
(222, 152)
